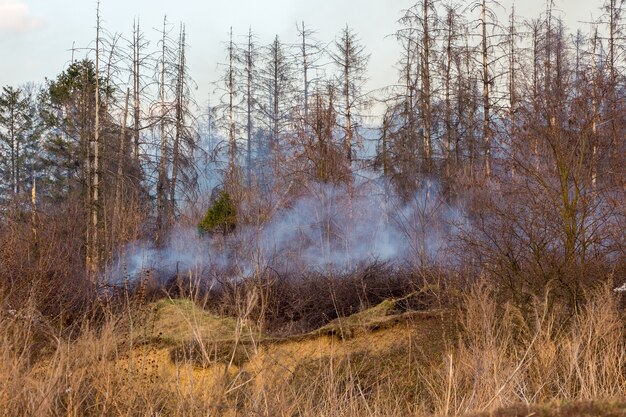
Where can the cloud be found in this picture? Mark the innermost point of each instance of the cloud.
(16, 17)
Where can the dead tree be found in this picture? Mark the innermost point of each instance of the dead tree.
(512, 36)
(350, 58)
(164, 122)
(613, 10)
(251, 55)
(276, 97)
(93, 260)
(450, 56)
(486, 83)
(426, 83)
(403, 103)
(120, 167)
(420, 23)
(310, 55)
(179, 121)
(138, 44)
(232, 145)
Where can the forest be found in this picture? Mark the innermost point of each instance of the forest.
(451, 244)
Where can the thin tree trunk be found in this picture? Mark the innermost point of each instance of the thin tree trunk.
(161, 185)
(120, 167)
(594, 106)
(94, 259)
(305, 61)
(535, 144)
(460, 102)
(384, 140)
(231, 111)
(33, 216)
(12, 141)
(180, 82)
(512, 94)
(346, 75)
(249, 112)
(276, 100)
(409, 148)
(448, 115)
(486, 102)
(614, 12)
(470, 111)
(136, 89)
(18, 174)
(426, 89)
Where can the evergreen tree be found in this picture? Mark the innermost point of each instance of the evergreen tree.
(19, 141)
(68, 111)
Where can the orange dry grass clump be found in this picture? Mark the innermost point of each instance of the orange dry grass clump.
(173, 358)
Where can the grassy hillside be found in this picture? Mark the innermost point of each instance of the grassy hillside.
(172, 357)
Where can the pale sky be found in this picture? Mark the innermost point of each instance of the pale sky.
(36, 35)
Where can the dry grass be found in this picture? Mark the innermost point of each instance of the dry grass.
(531, 355)
(173, 358)
(564, 409)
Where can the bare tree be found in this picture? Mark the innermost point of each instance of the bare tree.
(426, 83)
(139, 58)
(351, 60)
(230, 90)
(311, 52)
(420, 24)
(251, 55)
(167, 56)
(512, 36)
(93, 260)
(404, 105)
(486, 13)
(451, 31)
(613, 10)
(276, 95)
(120, 167)
(179, 109)
(232, 144)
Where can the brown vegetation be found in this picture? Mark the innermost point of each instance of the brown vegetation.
(506, 193)
(173, 358)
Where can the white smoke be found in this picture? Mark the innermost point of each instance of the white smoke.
(329, 228)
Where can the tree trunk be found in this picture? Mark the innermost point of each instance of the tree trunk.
(486, 102)
(512, 94)
(305, 62)
(136, 89)
(249, 112)
(231, 111)
(120, 168)
(94, 259)
(180, 125)
(162, 180)
(347, 97)
(426, 90)
(448, 116)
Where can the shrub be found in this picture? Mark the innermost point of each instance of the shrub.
(221, 216)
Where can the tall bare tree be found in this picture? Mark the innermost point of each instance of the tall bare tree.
(93, 260)
(351, 59)
(451, 33)
(163, 214)
(276, 96)
(512, 36)
(251, 55)
(487, 81)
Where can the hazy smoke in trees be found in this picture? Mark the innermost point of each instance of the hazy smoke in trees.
(317, 232)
